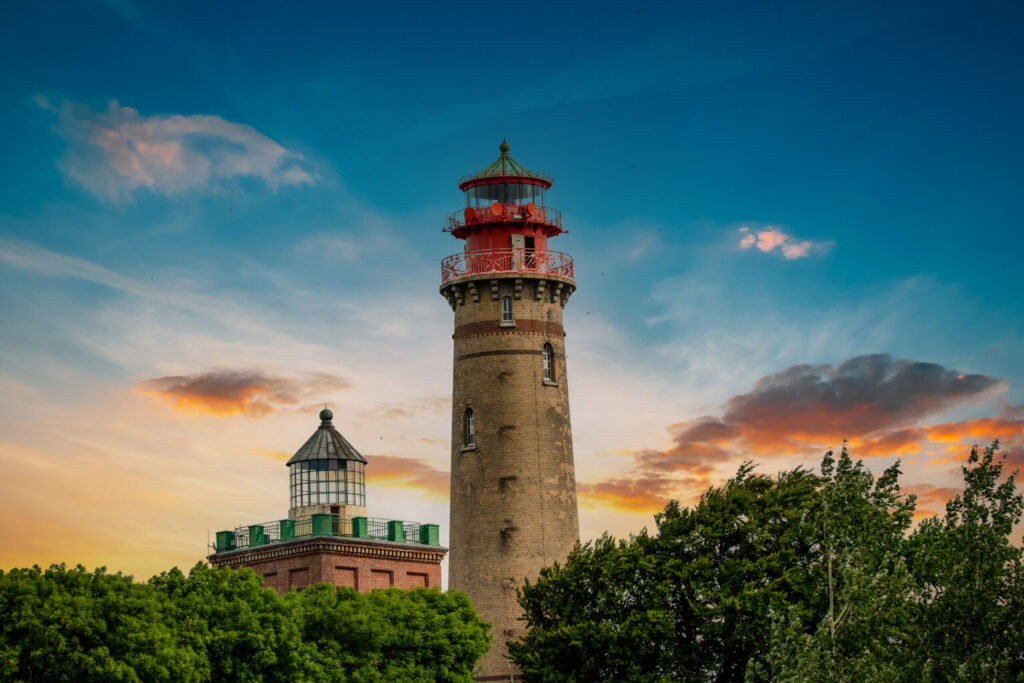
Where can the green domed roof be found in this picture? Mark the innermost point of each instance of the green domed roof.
(504, 167)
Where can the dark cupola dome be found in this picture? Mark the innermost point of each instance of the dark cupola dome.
(327, 443)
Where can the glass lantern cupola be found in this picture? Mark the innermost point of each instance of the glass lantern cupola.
(327, 475)
(505, 181)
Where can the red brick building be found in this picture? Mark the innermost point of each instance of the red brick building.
(327, 536)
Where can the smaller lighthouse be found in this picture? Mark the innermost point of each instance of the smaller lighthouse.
(327, 537)
(327, 475)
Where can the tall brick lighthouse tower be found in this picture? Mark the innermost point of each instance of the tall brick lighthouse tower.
(513, 486)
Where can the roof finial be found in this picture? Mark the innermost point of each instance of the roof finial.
(503, 147)
(326, 415)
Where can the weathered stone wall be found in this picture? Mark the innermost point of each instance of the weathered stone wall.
(513, 494)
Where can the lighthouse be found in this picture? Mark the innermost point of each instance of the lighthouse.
(327, 537)
(513, 485)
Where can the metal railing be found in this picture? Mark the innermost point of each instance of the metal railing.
(506, 261)
(371, 528)
(504, 213)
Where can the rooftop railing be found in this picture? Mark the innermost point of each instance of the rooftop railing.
(504, 213)
(506, 261)
(370, 528)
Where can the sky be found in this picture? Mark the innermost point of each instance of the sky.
(792, 224)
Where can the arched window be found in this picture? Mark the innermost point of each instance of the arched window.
(469, 428)
(548, 362)
(506, 310)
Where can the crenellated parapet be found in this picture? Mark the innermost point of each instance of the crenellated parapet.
(470, 288)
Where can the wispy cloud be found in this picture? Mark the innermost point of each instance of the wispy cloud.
(112, 153)
(1011, 411)
(395, 470)
(436, 406)
(231, 392)
(931, 500)
(336, 247)
(644, 494)
(33, 258)
(769, 239)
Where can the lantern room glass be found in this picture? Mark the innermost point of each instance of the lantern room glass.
(504, 193)
(327, 482)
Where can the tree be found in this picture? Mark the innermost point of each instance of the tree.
(969, 578)
(392, 635)
(693, 602)
(76, 625)
(245, 632)
(222, 625)
(604, 616)
(324, 633)
(859, 525)
(799, 578)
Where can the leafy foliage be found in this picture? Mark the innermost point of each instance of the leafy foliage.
(244, 632)
(220, 624)
(392, 635)
(63, 625)
(858, 524)
(970, 579)
(804, 577)
(690, 603)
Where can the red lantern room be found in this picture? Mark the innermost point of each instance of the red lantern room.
(506, 224)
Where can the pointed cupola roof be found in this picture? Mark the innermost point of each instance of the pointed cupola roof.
(504, 167)
(327, 443)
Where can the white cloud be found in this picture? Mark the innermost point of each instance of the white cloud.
(115, 152)
(644, 244)
(770, 239)
(334, 246)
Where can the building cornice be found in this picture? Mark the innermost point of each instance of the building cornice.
(333, 545)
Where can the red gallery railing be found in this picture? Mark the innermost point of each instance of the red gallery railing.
(506, 261)
(504, 213)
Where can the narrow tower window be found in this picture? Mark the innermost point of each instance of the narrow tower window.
(548, 363)
(506, 310)
(470, 428)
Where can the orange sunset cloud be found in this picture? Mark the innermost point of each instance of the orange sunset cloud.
(873, 401)
(231, 392)
(901, 442)
(648, 494)
(931, 500)
(982, 428)
(860, 396)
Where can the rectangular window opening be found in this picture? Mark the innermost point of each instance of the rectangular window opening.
(506, 310)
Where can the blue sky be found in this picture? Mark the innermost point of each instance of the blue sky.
(256, 192)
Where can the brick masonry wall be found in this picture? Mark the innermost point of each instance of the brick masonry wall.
(363, 565)
(513, 496)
